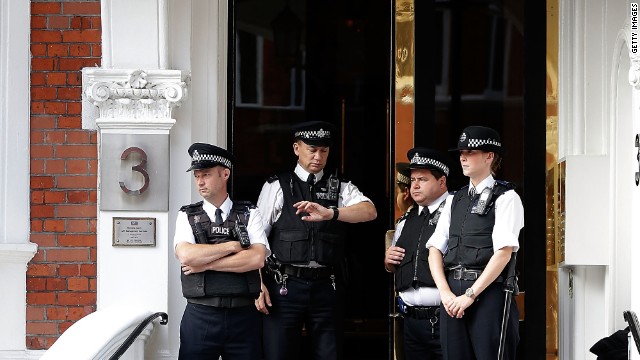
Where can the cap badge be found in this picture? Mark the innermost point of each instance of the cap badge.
(463, 137)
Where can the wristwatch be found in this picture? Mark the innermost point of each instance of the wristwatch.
(469, 293)
(336, 213)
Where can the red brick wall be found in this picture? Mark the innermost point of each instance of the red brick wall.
(61, 279)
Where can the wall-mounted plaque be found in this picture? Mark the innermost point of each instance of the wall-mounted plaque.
(134, 231)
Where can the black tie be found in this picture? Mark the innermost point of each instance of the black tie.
(218, 217)
(425, 211)
(311, 180)
(472, 192)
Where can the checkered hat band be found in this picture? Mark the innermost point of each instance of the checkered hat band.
(402, 178)
(315, 134)
(213, 158)
(419, 160)
(473, 143)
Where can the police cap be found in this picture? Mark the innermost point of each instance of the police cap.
(403, 173)
(206, 156)
(424, 158)
(316, 133)
(479, 138)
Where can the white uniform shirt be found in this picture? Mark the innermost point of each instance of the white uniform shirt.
(270, 201)
(509, 220)
(254, 227)
(422, 296)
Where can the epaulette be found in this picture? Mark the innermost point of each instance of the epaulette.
(185, 208)
(272, 179)
(507, 184)
(403, 217)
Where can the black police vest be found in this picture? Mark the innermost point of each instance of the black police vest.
(294, 241)
(413, 270)
(470, 235)
(218, 283)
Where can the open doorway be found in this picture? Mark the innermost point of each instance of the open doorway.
(293, 61)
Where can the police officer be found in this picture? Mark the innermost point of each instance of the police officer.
(477, 233)
(404, 202)
(305, 211)
(221, 246)
(419, 299)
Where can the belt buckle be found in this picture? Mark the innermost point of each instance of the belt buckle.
(457, 274)
(225, 301)
(472, 275)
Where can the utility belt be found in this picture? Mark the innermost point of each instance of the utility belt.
(421, 312)
(461, 273)
(307, 273)
(431, 313)
(226, 302)
(281, 273)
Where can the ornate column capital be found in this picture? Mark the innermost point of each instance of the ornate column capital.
(134, 97)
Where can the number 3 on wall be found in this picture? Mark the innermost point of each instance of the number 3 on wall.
(141, 168)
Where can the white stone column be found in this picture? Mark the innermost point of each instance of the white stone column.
(134, 113)
(15, 248)
(634, 81)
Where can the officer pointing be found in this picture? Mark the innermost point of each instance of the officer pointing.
(306, 211)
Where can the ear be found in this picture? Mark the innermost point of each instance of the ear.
(296, 148)
(490, 155)
(226, 173)
(405, 194)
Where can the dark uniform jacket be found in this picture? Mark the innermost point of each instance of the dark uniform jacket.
(470, 234)
(218, 283)
(294, 241)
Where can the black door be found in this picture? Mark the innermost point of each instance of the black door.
(300, 60)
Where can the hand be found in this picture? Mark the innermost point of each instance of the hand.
(263, 300)
(458, 306)
(393, 256)
(316, 211)
(191, 269)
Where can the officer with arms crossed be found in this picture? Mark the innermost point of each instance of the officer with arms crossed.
(419, 298)
(477, 233)
(221, 245)
(304, 212)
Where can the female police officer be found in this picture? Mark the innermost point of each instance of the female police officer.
(477, 233)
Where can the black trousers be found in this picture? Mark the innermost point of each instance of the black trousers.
(477, 334)
(314, 303)
(422, 339)
(208, 332)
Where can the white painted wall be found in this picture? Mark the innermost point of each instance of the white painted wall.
(182, 35)
(597, 118)
(15, 248)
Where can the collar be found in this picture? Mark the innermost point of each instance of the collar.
(434, 205)
(225, 207)
(304, 174)
(486, 183)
